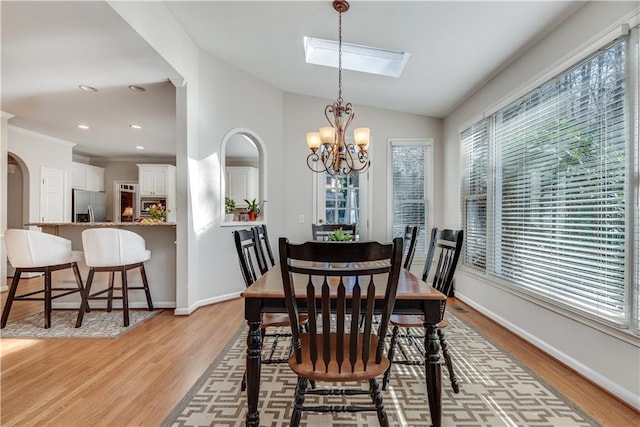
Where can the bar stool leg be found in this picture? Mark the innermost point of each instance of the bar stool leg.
(88, 288)
(83, 295)
(145, 283)
(110, 293)
(125, 297)
(47, 298)
(10, 296)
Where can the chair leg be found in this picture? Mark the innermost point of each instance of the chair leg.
(145, 283)
(125, 297)
(87, 289)
(297, 411)
(447, 358)
(392, 349)
(10, 296)
(376, 396)
(110, 293)
(47, 298)
(83, 295)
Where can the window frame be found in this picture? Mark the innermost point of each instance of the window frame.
(632, 190)
(429, 143)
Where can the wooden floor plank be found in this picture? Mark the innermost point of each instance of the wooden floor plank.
(139, 377)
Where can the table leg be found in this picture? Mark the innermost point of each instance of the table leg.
(254, 345)
(433, 374)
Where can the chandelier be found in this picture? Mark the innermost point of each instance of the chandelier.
(330, 152)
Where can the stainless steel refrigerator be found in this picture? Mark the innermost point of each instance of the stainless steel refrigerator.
(89, 206)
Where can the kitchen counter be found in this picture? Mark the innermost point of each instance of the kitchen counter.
(101, 224)
(160, 239)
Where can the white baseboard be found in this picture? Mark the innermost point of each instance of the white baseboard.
(202, 303)
(604, 382)
(117, 304)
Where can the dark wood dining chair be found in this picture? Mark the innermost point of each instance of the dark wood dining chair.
(411, 233)
(248, 248)
(322, 231)
(448, 245)
(334, 348)
(266, 261)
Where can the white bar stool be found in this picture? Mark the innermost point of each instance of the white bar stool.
(34, 251)
(111, 250)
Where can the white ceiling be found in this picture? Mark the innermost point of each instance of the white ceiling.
(49, 48)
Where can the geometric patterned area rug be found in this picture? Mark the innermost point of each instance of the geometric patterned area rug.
(96, 324)
(495, 390)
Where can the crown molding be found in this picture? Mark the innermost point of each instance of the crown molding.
(27, 132)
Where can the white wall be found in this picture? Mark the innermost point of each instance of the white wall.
(613, 363)
(215, 99)
(4, 144)
(303, 114)
(37, 151)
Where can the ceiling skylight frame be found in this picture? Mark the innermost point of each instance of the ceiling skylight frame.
(365, 59)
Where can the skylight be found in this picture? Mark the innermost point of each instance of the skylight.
(355, 57)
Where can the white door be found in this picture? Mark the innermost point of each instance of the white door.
(52, 195)
(343, 200)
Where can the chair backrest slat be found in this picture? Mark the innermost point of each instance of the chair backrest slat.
(266, 259)
(446, 244)
(411, 233)
(342, 294)
(322, 231)
(249, 255)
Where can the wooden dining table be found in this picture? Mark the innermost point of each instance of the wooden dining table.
(266, 295)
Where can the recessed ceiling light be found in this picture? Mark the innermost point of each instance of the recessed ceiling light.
(134, 126)
(137, 88)
(355, 57)
(88, 88)
(139, 147)
(83, 127)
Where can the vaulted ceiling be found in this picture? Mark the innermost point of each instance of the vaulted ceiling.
(49, 48)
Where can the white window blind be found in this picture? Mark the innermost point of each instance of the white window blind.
(546, 201)
(475, 163)
(559, 206)
(410, 190)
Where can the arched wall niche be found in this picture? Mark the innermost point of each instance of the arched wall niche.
(17, 192)
(243, 169)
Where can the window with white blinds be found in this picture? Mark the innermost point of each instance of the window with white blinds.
(475, 163)
(561, 212)
(410, 166)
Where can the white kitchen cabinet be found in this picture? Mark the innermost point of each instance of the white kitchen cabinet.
(242, 184)
(153, 180)
(87, 177)
(158, 182)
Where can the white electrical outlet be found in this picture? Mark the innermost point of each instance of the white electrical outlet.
(301, 219)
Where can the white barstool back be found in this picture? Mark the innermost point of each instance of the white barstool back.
(106, 247)
(26, 248)
(115, 250)
(34, 251)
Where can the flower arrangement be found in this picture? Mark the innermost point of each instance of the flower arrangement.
(157, 212)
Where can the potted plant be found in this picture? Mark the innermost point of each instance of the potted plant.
(340, 236)
(254, 208)
(229, 209)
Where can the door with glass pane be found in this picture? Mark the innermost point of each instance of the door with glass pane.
(343, 200)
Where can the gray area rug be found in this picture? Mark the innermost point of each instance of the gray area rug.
(96, 324)
(495, 390)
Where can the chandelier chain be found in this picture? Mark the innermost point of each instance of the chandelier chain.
(339, 58)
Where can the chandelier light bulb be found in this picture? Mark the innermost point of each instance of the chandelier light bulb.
(361, 137)
(313, 140)
(328, 136)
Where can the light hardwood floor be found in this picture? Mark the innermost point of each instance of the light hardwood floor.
(138, 378)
